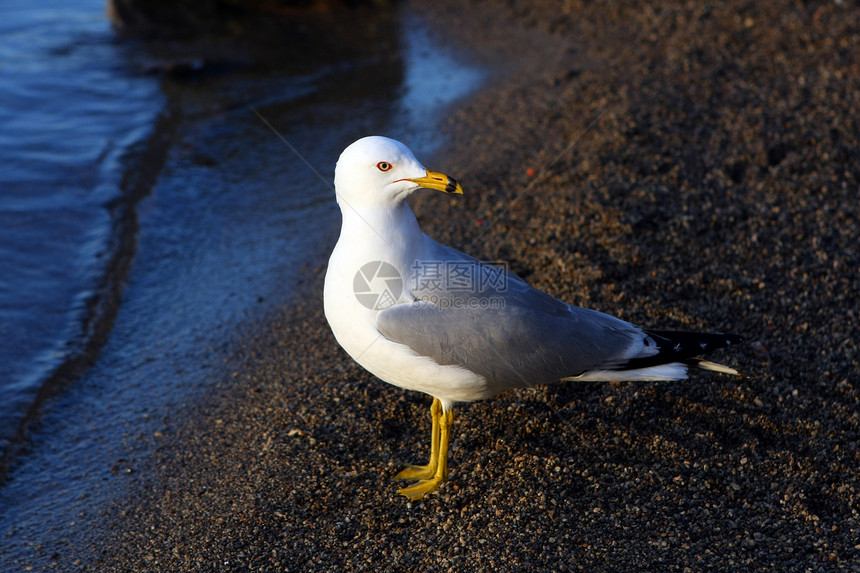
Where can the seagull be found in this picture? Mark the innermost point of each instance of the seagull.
(426, 317)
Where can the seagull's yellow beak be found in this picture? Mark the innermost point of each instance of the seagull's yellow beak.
(440, 182)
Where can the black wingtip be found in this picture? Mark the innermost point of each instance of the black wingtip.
(693, 343)
(682, 346)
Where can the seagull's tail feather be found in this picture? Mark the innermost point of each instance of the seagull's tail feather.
(714, 367)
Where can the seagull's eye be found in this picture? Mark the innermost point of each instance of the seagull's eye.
(383, 166)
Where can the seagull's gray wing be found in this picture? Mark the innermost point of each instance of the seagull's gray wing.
(514, 336)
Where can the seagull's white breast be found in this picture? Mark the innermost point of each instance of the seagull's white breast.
(354, 323)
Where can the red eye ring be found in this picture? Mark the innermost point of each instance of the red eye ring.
(384, 166)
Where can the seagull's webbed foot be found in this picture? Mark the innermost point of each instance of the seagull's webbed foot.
(416, 473)
(434, 474)
(411, 472)
(420, 489)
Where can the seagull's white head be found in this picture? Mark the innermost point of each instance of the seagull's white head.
(381, 172)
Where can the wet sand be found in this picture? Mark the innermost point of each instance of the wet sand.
(680, 167)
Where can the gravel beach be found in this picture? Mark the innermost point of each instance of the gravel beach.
(681, 166)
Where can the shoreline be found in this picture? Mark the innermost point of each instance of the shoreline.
(669, 189)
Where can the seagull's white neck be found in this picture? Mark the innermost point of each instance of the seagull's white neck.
(393, 228)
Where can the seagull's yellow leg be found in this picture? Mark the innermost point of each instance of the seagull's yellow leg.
(440, 475)
(428, 471)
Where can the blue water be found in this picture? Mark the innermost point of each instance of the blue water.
(144, 218)
(71, 106)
